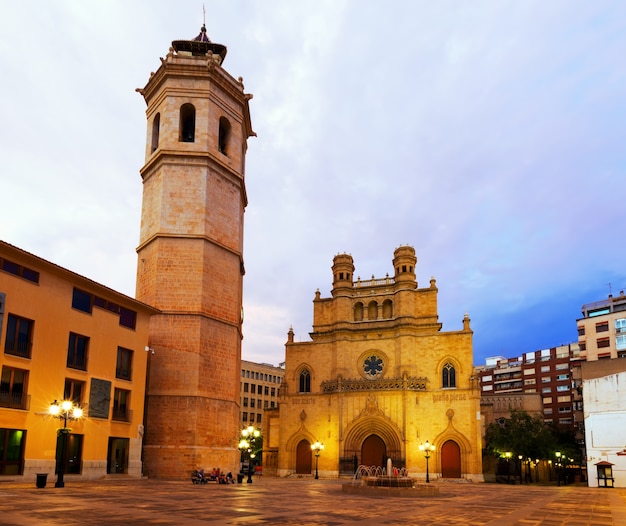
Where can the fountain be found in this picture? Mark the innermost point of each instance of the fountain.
(389, 481)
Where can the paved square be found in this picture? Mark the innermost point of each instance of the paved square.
(304, 501)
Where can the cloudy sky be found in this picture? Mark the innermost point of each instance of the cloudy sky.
(489, 135)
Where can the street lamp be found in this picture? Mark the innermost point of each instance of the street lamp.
(427, 448)
(249, 435)
(557, 467)
(317, 447)
(65, 410)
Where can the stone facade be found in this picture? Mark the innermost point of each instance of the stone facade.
(378, 379)
(191, 259)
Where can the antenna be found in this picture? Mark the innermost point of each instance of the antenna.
(610, 289)
(203, 16)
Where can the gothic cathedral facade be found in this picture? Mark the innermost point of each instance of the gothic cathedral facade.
(190, 258)
(378, 379)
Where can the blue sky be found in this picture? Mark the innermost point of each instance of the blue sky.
(489, 135)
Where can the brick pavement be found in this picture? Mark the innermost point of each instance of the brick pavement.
(304, 502)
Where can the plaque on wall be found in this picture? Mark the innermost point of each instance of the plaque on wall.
(99, 398)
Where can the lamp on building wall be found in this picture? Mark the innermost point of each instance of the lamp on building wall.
(317, 448)
(247, 446)
(65, 410)
(427, 448)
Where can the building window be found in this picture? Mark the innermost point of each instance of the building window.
(13, 387)
(244, 416)
(258, 418)
(620, 342)
(259, 389)
(603, 342)
(561, 366)
(19, 270)
(81, 301)
(602, 326)
(545, 379)
(358, 311)
(620, 325)
(266, 390)
(583, 346)
(545, 368)
(12, 443)
(546, 390)
(156, 125)
(560, 377)
(73, 391)
(245, 401)
(565, 409)
(448, 376)
(273, 391)
(245, 387)
(121, 402)
(124, 364)
(77, 348)
(252, 402)
(19, 336)
(224, 135)
(305, 381)
(187, 123)
(564, 399)
(581, 330)
(562, 388)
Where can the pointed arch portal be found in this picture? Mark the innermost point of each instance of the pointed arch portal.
(450, 460)
(303, 458)
(373, 451)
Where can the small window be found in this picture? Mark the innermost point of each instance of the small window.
(121, 403)
(305, 381)
(77, 349)
(81, 301)
(224, 135)
(448, 376)
(13, 388)
(19, 336)
(358, 311)
(602, 326)
(187, 123)
(124, 364)
(74, 391)
(581, 330)
(156, 125)
(603, 342)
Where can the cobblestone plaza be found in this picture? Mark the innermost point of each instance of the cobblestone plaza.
(303, 501)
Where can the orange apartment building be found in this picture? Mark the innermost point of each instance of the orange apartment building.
(66, 337)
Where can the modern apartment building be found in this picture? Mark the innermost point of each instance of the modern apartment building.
(602, 329)
(64, 337)
(259, 390)
(547, 372)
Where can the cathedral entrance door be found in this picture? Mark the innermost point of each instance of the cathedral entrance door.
(374, 451)
(303, 458)
(450, 460)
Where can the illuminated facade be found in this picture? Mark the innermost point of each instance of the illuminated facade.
(378, 379)
(64, 336)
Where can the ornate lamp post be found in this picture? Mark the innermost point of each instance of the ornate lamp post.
(557, 467)
(65, 410)
(317, 448)
(249, 435)
(427, 448)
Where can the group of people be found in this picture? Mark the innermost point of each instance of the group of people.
(216, 475)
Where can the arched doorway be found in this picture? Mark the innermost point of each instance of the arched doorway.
(303, 457)
(373, 451)
(450, 460)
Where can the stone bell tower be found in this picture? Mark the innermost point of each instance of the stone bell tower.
(190, 258)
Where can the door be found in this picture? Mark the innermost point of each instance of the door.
(451, 460)
(303, 458)
(374, 452)
(118, 455)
